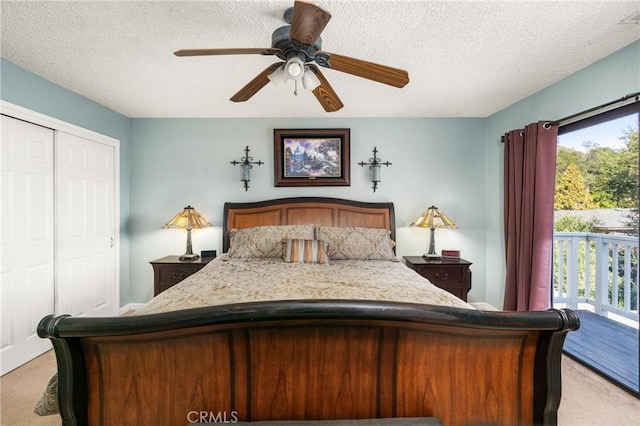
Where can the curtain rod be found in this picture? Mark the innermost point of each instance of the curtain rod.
(589, 111)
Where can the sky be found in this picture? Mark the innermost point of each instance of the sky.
(604, 135)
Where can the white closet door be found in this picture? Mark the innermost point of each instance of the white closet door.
(27, 239)
(85, 227)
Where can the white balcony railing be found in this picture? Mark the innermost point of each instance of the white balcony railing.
(597, 271)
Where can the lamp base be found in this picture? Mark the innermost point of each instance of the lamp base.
(431, 256)
(189, 257)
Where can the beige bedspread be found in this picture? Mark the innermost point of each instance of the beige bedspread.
(225, 281)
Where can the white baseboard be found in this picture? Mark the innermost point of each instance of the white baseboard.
(130, 307)
(483, 306)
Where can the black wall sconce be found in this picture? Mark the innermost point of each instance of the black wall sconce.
(374, 165)
(246, 163)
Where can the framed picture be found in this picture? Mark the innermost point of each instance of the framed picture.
(311, 157)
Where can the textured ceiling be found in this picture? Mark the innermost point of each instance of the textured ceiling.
(464, 58)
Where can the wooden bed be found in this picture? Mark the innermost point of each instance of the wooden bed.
(310, 359)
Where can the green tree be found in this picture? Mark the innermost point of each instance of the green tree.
(623, 183)
(612, 175)
(575, 224)
(571, 191)
(566, 156)
(598, 168)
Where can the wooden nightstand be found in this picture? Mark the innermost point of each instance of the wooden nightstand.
(447, 273)
(169, 271)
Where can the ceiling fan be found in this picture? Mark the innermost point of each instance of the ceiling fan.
(299, 46)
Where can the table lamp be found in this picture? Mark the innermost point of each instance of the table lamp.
(433, 218)
(188, 219)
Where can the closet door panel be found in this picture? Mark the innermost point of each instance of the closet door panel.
(85, 199)
(27, 239)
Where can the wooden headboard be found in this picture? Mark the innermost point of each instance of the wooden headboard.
(307, 210)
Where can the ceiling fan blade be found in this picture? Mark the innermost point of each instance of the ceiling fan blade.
(255, 85)
(307, 22)
(324, 93)
(369, 70)
(228, 51)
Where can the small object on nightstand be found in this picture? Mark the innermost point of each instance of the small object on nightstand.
(208, 253)
(451, 253)
(170, 270)
(451, 274)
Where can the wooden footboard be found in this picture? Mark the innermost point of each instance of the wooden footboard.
(307, 360)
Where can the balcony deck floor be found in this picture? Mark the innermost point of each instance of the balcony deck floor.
(608, 347)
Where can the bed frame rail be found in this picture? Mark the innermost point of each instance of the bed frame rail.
(311, 359)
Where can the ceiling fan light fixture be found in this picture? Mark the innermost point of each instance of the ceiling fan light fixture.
(295, 68)
(279, 77)
(309, 80)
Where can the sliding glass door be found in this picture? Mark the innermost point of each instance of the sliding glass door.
(596, 241)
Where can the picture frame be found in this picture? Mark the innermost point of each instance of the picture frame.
(312, 157)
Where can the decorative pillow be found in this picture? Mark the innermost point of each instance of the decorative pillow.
(357, 243)
(265, 241)
(305, 251)
(48, 404)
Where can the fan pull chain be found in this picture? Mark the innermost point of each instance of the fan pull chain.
(295, 90)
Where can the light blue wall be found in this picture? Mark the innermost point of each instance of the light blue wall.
(606, 80)
(454, 163)
(175, 162)
(28, 90)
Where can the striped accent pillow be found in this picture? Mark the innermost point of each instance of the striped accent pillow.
(305, 251)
